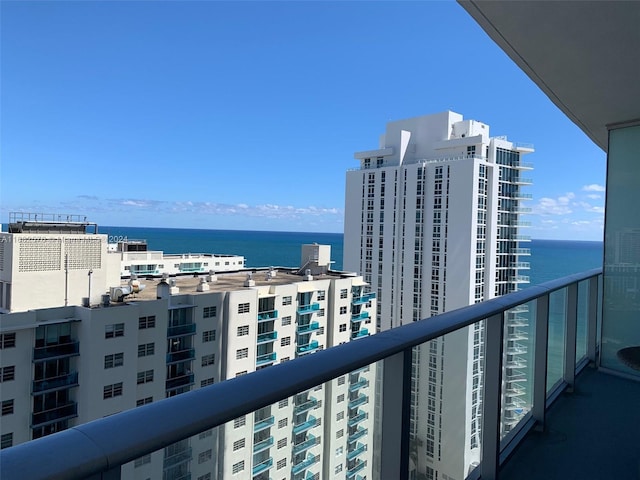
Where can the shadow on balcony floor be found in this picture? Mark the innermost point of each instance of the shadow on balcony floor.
(593, 433)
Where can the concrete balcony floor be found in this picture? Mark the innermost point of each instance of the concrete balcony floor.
(592, 433)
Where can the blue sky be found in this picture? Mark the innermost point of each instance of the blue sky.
(246, 115)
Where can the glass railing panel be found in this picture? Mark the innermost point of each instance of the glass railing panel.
(583, 318)
(557, 332)
(446, 395)
(517, 366)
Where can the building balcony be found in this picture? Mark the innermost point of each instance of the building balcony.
(262, 466)
(310, 404)
(268, 315)
(267, 337)
(307, 348)
(263, 445)
(177, 382)
(572, 412)
(358, 317)
(361, 383)
(307, 309)
(56, 383)
(363, 332)
(308, 328)
(311, 441)
(306, 463)
(180, 330)
(266, 358)
(364, 298)
(263, 424)
(181, 356)
(360, 448)
(353, 470)
(303, 427)
(61, 412)
(60, 350)
(360, 400)
(177, 458)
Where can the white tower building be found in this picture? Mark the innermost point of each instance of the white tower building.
(432, 224)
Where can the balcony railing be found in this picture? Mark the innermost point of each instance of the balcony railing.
(179, 330)
(56, 383)
(60, 350)
(266, 358)
(264, 423)
(358, 317)
(364, 298)
(181, 356)
(267, 337)
(99, 448)
(178, 382)
(311, 441)
(263, 445)
(308, 328)
(306, 463)
(268, 315)
(303, 427)
(61, 412)
(262, 466)
(306, 309)
(308, 348)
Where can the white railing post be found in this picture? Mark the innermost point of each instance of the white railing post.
(492, 400)
(571, 306)
(396, 415)
(592, 321)
(540, 362)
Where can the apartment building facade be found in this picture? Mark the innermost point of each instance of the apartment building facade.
(149, 339)
(432, 222)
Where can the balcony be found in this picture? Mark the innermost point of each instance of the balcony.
(360, 400)
(308, 348)
(180, 330)
(306, 406)
(56, 383)
(358, 317)
(267, 337)
(359, 466)
(364, 298)
(181, 356)
(56, 414)
(177, 458)
(303, 427)
(308, 328)
(361, 383)
(361, 448)
(261, 467)
(59, 350)
(263, 424)
(311, 441)
(363, 332)
(178, 382)
(266, 358)
(566, 450)
(263, 445)
(307, 309)
(306, 463)
(268, 315)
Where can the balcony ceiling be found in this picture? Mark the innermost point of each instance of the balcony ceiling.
(583, 55)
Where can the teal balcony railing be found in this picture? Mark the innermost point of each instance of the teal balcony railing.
(311, 441)
(364, 298)
(307, 309)
(267, 337)
(268, 315)
(358, 434)
(509, 409)
(306, 406)
(59, 350)
(361, 400)
(306, 463)
(308, 328)
(358, 317)
(303, 427)
(179, 330)
(308, 348)
(266, 358)
(181, 356)
(360, 448)
(363, 332)
(261, 467)
(361, 383)
(263, 445)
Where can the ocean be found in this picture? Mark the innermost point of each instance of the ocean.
(550, 259)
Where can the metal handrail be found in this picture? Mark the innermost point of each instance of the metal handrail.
(103, 445)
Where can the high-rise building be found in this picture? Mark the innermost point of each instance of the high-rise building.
(119, 346)
(432, 223)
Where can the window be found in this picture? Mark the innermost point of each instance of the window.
(243, 330)
(114, 330)
(282, 443)
(340, 433)
(341, 398)
(283, 423)
(208, 359)
(320, 331)
(243, 308)
(138, 462)
(242, 353)
(114, 360)
(205, 434)
(283, 403)
(340, 416)
(144, 401)
(237, 467)
(240, 421)
(114, 390)
(343, 293)
(7, 340)
(208, 336)
(341, 380)
(285, 341)
(146, 349)
(343, 310)
(7, 407)
(286, 321)
(147, 322)
(286, 301)
(321, 312)
(204, 456)
(321, 295)
(339, 451)
(6, 440)
(145, 377)
(338, 468)
(207, 381)
(7, 373)
(238, 444)
(281, 463)
(209, 312)
(343, 327)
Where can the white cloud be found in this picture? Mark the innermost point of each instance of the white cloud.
(594, 187)
(594, 196)
(554, 206)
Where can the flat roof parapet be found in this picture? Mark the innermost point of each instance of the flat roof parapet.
(29, 222)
